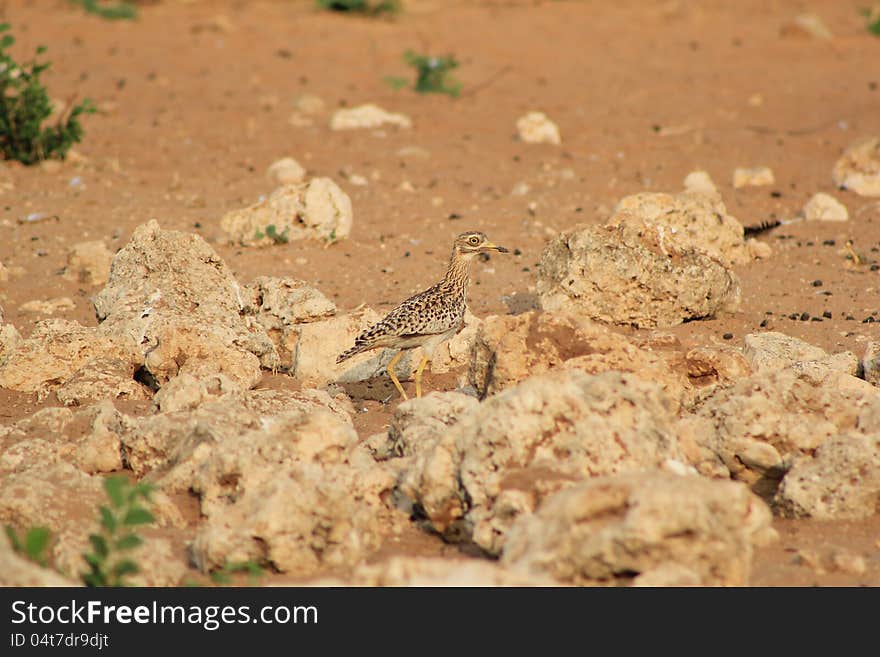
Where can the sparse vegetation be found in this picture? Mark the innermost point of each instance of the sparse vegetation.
(33, 545)
(108, 565)
(371, 8)
(24, 107)
(432, 74)
(272, 232)
(112, 11)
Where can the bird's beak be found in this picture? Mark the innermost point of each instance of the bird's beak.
(489, 246)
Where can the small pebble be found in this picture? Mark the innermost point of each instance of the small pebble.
(453, 216)
(805, 317)
(850, 318)
(764, 323)
(868, 320)
(829, 243)
(727, 336)
(875, 267)
(517, 252)
(827, 314)
(793, 316)
(815, 319)
(817, 283)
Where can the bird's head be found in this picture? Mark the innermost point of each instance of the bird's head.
(474, 242)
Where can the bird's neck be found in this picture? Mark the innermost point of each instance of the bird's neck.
(458, 271)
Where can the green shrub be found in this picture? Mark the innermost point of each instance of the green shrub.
(112, 11)
(361, 6)
(108, 565)
(432, 74)
(25, 105)
(33, 545)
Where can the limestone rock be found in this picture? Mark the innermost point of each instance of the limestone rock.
(366, 116)
(285, 172)
(509, 349)
(54, 496)
(772, 351)
(87, 438)
(418, 424)
(858, 169)
(842, 480)
(536, 128)
(608, 274)
(870, 362)
(752, 177)
(171, 446)
(824, 207)
(611, 529)
(317, 209)
(59, 350)
(700, 182)
(173, 296)
(89, 263)
(498, 461)
(428, 571)
(762, 422)
(300, 515)
(681, 222)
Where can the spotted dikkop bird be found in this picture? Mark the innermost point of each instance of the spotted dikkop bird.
(428, 318)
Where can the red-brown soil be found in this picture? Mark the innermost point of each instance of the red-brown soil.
(195, 99)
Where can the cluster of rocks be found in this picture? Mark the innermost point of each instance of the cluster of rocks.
(573, 454)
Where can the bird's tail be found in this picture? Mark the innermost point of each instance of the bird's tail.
(345, 355)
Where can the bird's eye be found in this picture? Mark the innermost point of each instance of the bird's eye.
(474, 240)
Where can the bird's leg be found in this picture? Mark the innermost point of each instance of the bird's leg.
(419, 376)
(391, 365)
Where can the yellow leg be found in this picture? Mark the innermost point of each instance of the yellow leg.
(391, 365)
(419, 376)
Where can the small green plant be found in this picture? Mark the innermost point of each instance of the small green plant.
(112, 11)
(361, 6)
(33, 545)
(108, 565)
(25, 105)
(224, 575)
(273, 234)
(432, 74)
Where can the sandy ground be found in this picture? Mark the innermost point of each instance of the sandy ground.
(196, 98)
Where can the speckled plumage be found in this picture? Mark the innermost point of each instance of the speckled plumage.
(430, 317)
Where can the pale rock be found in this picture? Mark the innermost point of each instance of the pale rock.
(172, 295)
(858, 169)
(300, 517)
(58, 350)
(432, 571)
(870, 362)
(285, 171)
(502, 458)
(668, 574)
(171, 446)
(824, 207)
(612, 275)
(771, 351)
(366, 116)
(317, 209)
(677, 223)
(47, 307)
(807, 25)
(752, 177)
(87, 438)
(9, 341)
(700, 182)
(185, 392)
(89, 263)
(509, 349)
(537, 128)
(762, 422)
(279, 304)
(54, 496)
(841, 480)
(611, 530)
(419, 423)
(309, 104)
